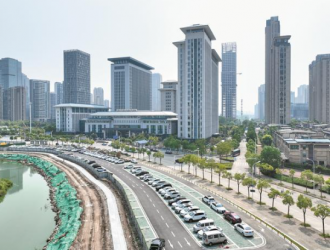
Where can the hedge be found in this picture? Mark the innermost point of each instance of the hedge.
(318, 168)
(296, 181)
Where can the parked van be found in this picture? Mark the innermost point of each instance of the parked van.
(202, 224)
(213, 237)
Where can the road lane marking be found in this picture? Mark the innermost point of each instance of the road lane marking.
(187, 241)
(162, 217)
(179, 244)
(157, 211)
(170, 243)
(153, 205)
(167, 225)
(173, 234)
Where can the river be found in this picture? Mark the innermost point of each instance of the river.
(26, 218)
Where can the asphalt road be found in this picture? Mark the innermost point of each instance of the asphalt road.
(169, 227)
(160, 216)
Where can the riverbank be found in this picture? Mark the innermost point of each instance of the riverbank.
(5, 184)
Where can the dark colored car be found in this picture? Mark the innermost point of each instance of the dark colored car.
(169, 152)
(142, 173)
(170, 202)
(91, 162)
(163, 186)
(232, 217)
(95, 165)
(157, 244)
(154, 150)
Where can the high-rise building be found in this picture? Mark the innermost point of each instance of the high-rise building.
(92, 98)
(256, 111)
(130, 84)
(58, 87)
(40, 96)
(52, 105)
(155, 94)
(10, 73)
(1, 102)
(303, 94)
(14, 104)
(26, 85)
(319, 89)
(261, 102)
(299, 111)
(228, 79)
(293, 97)
(168, 96)
(107, 103)
(198, 83)
(272, 30)
(77, 83)
(277, 74)
(98, 96)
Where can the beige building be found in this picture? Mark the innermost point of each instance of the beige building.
(319, 89)
(299, 146)
(168, 96)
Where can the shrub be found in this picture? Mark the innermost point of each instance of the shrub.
(296, 181)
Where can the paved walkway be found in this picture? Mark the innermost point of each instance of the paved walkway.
(308, 237)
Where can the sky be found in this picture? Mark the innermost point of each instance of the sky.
(36, 32)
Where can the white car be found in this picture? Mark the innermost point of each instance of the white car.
(175, 204)
(171, 195)
(207, 229)
(208, 199)
(187, 210)
(244, 229)
(163, 191)
(155, 183)
(218, 207)
(195, 216)
(134, 161)
(128, 167)
(181, 207)
(153, 180)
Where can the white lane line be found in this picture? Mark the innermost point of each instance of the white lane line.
(157, 211)
(252, 243)
(170, 243)
(173, 234)
(187, 241)
(162, 217)
(167, 225)
(148, 196)
(153, 205)
(179, 244)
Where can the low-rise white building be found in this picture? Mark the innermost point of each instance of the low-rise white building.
(129, 122)
(68, 115)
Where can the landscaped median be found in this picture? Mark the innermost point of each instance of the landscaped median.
(64, 201)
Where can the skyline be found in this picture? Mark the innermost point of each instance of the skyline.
(40, 45)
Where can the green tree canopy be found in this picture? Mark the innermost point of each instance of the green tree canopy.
(271, 156)
(267, 140)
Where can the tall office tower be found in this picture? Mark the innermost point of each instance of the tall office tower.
(272, 30)
(77, 82)
(168, 96)
(155, 94)
(58, 87)
(106, 103)
(1, 102)
(52, 105)
(228, 79)
(319, 89)
(10, 73)
(14, 105)
(98, 96)
(261, 102)
(256, 111)
(293, 97)
(40, 96)
(198, 83)
(92, 98)
(130, 84)
(303, 94)
(26, 85)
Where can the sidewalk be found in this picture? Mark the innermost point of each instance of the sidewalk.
(308, 237)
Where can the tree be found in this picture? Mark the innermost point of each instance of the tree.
(306, 175)
(322, 211)
(318, 179)
(271, 156)
(239, 178)
(143, 152)
(234, 144)
(223, 148)
(279, 172)
(160, 155)
(287, 200)
(262, 184)
(194, 161)
(273, 194)
(249, 182)
(187, 160)
(149, 154)
(303, 203)
(291, 174)
(229, 176)
(202, 165)
(201, 145)
(267, 140)
(220, 169)
(133, 150)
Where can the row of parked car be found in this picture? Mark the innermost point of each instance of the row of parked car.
(205, 228)
(114, 160)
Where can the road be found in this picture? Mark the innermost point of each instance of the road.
(176, 233)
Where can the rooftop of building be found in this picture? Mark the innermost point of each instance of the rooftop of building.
(205, 27)
(136, 113)
(125, 60)
(76, 105)
(295, 131)
(170, 81)
(216, 55)
(76, 50)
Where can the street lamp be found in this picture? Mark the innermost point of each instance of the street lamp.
(313, 172)
(254, 168)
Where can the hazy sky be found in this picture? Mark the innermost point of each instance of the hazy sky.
(37, 31)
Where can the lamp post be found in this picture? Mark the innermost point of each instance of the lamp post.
(313, 172)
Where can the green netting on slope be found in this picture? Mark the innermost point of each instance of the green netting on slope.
(65, 198)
